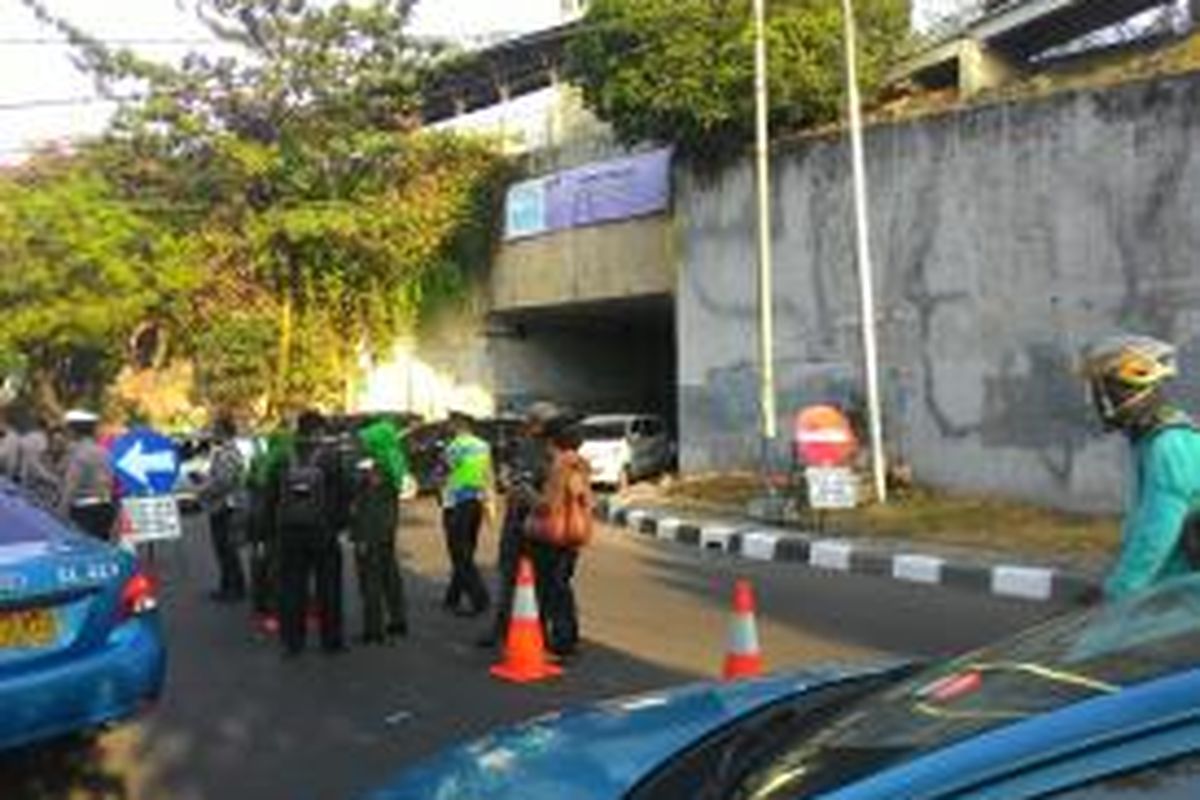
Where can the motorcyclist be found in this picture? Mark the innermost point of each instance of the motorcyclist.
(1126, 375)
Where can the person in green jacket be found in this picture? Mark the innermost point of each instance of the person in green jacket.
(266, 463)
(378, 476)
(1126, 375)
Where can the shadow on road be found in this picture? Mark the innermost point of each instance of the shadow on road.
(872, 612)
(237, 722)
(73, 768)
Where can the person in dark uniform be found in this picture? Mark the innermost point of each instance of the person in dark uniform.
(530, 466)
(374, 516)
(308, 499)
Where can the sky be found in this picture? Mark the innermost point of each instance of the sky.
(34, 70)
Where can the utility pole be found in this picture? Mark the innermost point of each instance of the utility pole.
(766, 318)
(863, 247)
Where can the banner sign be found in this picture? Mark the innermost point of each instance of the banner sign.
(608, 191)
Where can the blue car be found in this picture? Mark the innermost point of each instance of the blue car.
(80, 641)
(1101, 704)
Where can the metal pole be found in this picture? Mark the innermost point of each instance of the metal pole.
(862, 236)
(766, 318)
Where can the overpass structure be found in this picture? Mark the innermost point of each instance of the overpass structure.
(999, 40)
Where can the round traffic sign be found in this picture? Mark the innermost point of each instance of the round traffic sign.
(824, 437)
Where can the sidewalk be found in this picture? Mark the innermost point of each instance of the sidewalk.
(759, 531)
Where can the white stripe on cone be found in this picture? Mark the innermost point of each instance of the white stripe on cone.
(743, 635)
(525, 604)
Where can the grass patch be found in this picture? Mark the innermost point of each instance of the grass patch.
(917, 514)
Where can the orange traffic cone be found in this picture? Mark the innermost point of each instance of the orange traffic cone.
(743, 659)
(524, 649)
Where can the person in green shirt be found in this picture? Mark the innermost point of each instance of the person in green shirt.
(378, 476)
(467, 467)
(1162, 499)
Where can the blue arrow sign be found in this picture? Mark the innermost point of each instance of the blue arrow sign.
(146, 462)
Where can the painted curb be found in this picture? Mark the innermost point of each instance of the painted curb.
(757, 543)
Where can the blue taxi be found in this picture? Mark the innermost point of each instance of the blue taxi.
(81, 646)
(1102, 704)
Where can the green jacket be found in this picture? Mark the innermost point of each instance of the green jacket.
(1163, 489)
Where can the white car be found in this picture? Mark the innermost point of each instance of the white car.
(623, 448)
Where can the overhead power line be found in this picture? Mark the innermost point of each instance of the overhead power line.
(43, 41)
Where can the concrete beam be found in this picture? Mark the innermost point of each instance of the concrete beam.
(980, 68)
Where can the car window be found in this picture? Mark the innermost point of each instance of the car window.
(21, 520)
(601, 430)
(1178, 779)
(1068, 660)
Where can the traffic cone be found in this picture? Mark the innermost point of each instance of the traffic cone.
(524, 649)
(743, 659)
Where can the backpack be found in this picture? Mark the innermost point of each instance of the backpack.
(565, 518)
(302, 500)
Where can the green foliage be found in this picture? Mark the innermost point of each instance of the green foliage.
(682, 71)
(321, 220)
(79, 270)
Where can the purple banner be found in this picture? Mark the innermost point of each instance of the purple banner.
(606, 192)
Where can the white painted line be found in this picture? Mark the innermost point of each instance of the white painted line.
(1035, 583)
(918, 569)
(830, 554)
(716, 537)
(398, 717)
(759, 545)
(668, 528)
(634, 519)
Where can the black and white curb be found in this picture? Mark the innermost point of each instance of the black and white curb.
(759, 543)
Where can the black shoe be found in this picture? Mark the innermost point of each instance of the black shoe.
(371, 638)
(398, 629)
(487, 641)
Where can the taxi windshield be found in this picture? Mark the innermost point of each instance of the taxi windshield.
(1068, 660)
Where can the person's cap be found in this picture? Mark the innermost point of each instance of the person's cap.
(79, 416)
(542, 412)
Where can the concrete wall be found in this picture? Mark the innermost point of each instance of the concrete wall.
(621, 259)
(1005, 238)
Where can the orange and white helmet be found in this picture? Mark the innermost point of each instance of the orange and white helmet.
(1125, 373)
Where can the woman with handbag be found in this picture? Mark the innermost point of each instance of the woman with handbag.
(559, 527)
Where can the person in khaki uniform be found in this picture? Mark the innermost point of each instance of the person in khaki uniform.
(88, 495)
(374, 517)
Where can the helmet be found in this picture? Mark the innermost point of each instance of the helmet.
(1125, 373)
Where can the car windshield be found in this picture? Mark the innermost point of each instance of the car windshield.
(607, 429)
(1066, 661)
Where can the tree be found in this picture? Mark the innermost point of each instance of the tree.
(80, 270)
(682, 71)
(299, 178)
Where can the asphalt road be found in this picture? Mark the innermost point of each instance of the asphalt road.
(238, 723)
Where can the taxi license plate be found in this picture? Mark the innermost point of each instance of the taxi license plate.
(29, 629)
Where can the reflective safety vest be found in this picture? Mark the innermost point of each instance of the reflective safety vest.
(469, 461)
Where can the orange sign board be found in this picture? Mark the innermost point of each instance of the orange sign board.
(824, 437)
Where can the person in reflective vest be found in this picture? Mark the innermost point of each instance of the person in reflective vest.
(466, 491)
